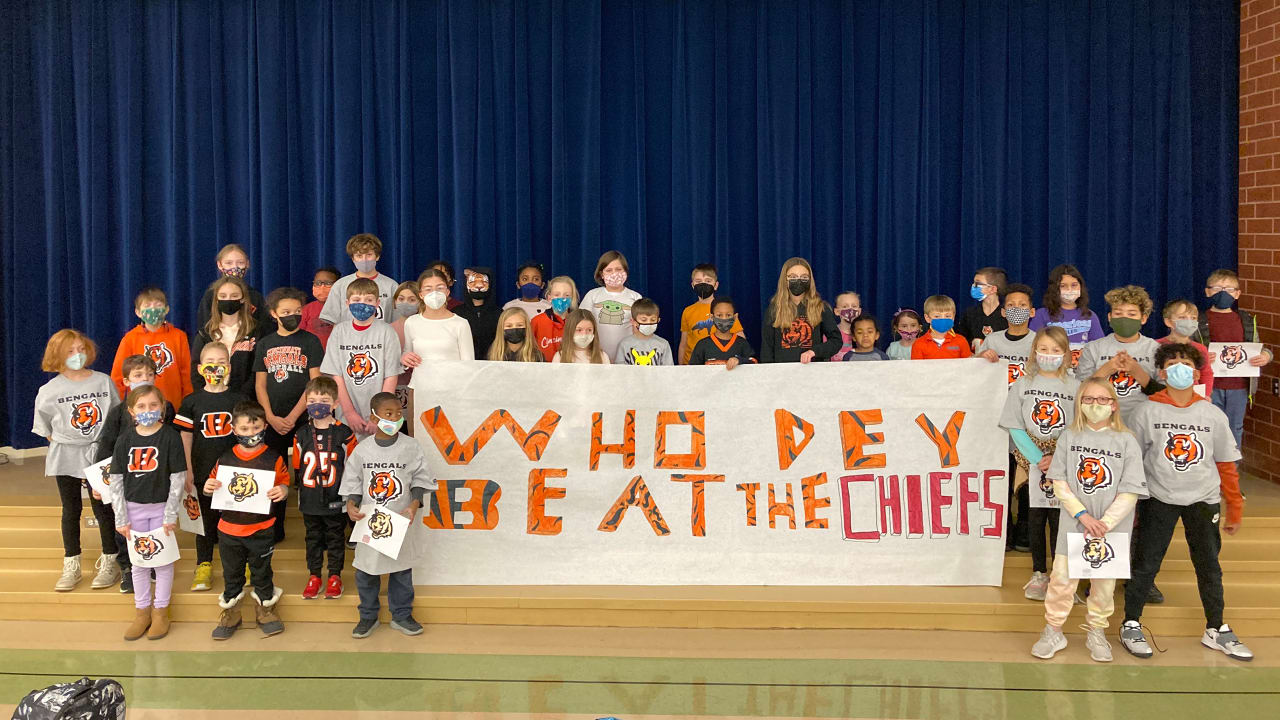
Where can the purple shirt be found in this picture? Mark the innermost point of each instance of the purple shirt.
(1079, 330)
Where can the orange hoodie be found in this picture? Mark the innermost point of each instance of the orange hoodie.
(168, 348)
(1227, 473)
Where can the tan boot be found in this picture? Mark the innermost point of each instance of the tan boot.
(159, 623)
(138, 628)
(230, 619)
(268, 620)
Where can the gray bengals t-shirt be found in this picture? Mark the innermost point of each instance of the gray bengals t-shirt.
(1043, 405)
(361, 360)
(1014, 352)
(1142, 350)
(1097, 465)
(1181, 447)
(71, 414)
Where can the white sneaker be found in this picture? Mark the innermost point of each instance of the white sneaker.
(1051, 641)
(1132, 639)
(1036, 586)
(1226, 642)
(70, 574)
(108, 572)
(1096, 640)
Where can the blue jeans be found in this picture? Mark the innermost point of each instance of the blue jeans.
(1233, 403)
(399, 594)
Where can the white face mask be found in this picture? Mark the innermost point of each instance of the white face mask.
(435, 299)
(1096, 413)
(1049, 362)
(1070, 295)
(648, 328)
(584, 341)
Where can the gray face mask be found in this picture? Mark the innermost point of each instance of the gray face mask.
(1186, 327)
(406, 309)
(365, 266)
(1017, 315)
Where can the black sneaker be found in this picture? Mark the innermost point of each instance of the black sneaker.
(1154, 596)
(408, 626)
(364, 628)
(126, 582)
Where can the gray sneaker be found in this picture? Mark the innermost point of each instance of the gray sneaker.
(1132, 639)
(1036, 586)
(1051, 641)
(364, 628)
(407, 625)
(1096, 640)
(1225, 641)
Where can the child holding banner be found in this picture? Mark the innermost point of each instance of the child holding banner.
(725, 345)
(148, 479)
(581, 341)
(798, 325)
(1036, 412)
(548, 326)
(514, 342)
(906, 328)
(1098, 477)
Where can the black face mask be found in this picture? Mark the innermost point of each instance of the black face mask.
(703, 290)
(477, 294)
(798, 286)
(230, 307)
(515, 336)
(290, 322)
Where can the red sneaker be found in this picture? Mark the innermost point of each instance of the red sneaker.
(334, 590)
(313, 588)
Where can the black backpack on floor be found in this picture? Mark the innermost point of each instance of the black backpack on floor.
(83, 699)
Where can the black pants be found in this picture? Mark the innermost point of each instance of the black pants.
(281, 444)
(1039, 519)
(255, 551)
(1153, 531)
(326, 533)
(209, 517)
(72, 507)
(1017, 507)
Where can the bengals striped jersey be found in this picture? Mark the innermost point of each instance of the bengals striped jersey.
(244, 524)
(319, 458)
(71, 415)
(207, 416)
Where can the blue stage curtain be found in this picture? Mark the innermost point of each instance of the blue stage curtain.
(897, 144)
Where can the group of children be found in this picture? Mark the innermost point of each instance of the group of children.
(313, 394)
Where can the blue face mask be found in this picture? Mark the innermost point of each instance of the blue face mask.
(390, 427)
(942, 325)
(1180, 377)
(76, 361)
(147, 418)
(362, 311)
(976, 292)
(560, 305)
(319, 411)
(530, 291)
(1223, 300)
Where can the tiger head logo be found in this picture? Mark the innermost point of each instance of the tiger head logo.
(800, 334)
(1093, 474)
(1046, 487)
(192, 506)
(1075, 356)
(1016, 370)
(146, 546)
(1124, 383)
(380, 524)
(639, 357)
(85, 416)
(1097, 552)
(106, 474)
(242, 486)
(1183, 450)
(1047, 415)
(361, 367)
(1233, 355)
(384, 487)
(160, 354)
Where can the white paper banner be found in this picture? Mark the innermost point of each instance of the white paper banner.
(98, 475)
(1104, 557)
(788, 474)
(243, 489)
(1040, 490)
(382, 530)
(189, 516)
(1232, 359)
(156, 548)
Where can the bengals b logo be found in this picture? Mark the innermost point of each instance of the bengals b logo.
(1093, 474)
(1097, 552)
(800, 334)
(1183, 450)
(215, 424)
(160, 355)
(1016, 370)
(143, 459)
(192, 506)
(85, 416)
(384, 487)
(361, 367)
(242, 486)
(1124, 383)
(1047, 415)
(380, 525)
(147, 546)
(1233, 355)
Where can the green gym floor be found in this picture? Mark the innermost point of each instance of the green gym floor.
(318, 672)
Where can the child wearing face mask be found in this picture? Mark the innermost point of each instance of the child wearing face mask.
(514, 342)
(69, 413)
(941, 342)
(233, 325)
(365, 250)
(581, 342)
(1012, 345)
(204, 422)
(158, 339)
(1190, 457)
(363, 356)
(479, 310)
(446, 271)
(1183, 319)
(611, 302)
(548, 326)
(848, 308)
(643, 346)
(1225, 322)
(906, 328)
(724, 346)
(1125, 356)
(246, 539)
(1066, 305)
(148, 482)
(233, 261)
(530, 282)
(1039, 406)
(979, 321)
(321, 284)
(320, 451)
(696, 321)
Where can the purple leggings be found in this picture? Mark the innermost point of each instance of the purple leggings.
(145, 518)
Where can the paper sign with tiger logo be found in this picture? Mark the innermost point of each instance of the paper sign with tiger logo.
(1124, 383)
(361, 367)
(242, 486)
(1183, 450)
(1098, 552)
(85, 416)
(160, 354)
(1232, 356)
(380, 525)
(1093, 474)
(192, 506)
(146, 546)
(1046, 487)
(1048, 416)
(384, 486)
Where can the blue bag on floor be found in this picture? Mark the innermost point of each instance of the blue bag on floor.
(83, 699)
